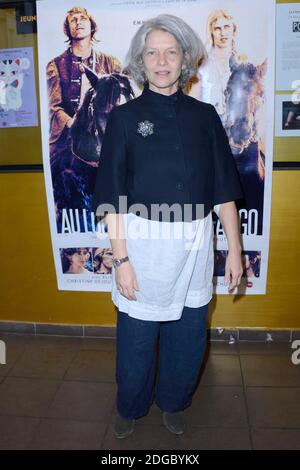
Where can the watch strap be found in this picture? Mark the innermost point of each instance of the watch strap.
(117, 262)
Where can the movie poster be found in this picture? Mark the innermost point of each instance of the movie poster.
(79, 88)
(18, 106)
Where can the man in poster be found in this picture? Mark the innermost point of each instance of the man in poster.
(73, 178)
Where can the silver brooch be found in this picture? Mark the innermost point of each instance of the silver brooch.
(145, 128)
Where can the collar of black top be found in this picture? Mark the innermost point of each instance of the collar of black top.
(159, 98)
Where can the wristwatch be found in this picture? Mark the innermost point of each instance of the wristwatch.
(117, 262)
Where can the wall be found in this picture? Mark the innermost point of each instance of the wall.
(28, 282)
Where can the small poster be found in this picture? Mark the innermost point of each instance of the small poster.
(287, 45)
(287, 115)
(18, 106)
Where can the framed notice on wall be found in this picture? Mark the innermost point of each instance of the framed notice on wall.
(19, 97)
(18, 107)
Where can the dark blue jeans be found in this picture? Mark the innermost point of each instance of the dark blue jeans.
(182, 345)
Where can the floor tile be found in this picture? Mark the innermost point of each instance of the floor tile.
(15, 346)
(218, 406)
(222, 369)
(263, 348)
(270, 370)
(215, 438)
(16, 432)
(68, 435)
(92, 366)
(276, 439)
(26, 397)
(15, 338)
(84, 401)
(273, 407)
(51, 363)
(98, 344)
(57, 342)
(222, 347)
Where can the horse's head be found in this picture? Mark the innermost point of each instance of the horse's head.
(109, 91)
(244, 94)
(88, 129)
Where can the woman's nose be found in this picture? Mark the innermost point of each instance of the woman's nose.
(161, 58)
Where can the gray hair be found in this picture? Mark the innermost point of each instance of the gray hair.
(186, 37)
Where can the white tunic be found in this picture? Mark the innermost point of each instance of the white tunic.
(173, 262)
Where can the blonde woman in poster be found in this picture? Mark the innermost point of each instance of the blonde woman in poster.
(164, 149)
(235, 87)
(215, 70)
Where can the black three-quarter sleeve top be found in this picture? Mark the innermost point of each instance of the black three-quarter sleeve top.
(165, 149)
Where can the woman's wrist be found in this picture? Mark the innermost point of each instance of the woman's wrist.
(235, 248)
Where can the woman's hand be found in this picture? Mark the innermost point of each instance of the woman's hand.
(233, 269)
(231, 224)
(126, 280)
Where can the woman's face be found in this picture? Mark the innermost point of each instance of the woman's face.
(107, 259)
(162, 59)
(222, 33)
(79, 259)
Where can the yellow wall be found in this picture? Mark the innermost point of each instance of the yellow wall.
(28, 280)
(27, 276)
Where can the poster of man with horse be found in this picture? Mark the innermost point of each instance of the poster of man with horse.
(82, 77)
(75, 140)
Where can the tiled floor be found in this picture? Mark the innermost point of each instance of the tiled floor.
(59, 393)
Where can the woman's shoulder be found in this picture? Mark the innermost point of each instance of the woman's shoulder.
(136, 104)
(125, 109)
(199, 105)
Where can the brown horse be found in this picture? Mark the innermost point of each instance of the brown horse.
(245, 98)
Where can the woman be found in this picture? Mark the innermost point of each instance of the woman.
(215, 71)
(102, 260)
(169, 151)
(74, 260)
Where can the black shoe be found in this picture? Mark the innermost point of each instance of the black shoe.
(123, 427)
(174, 422)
